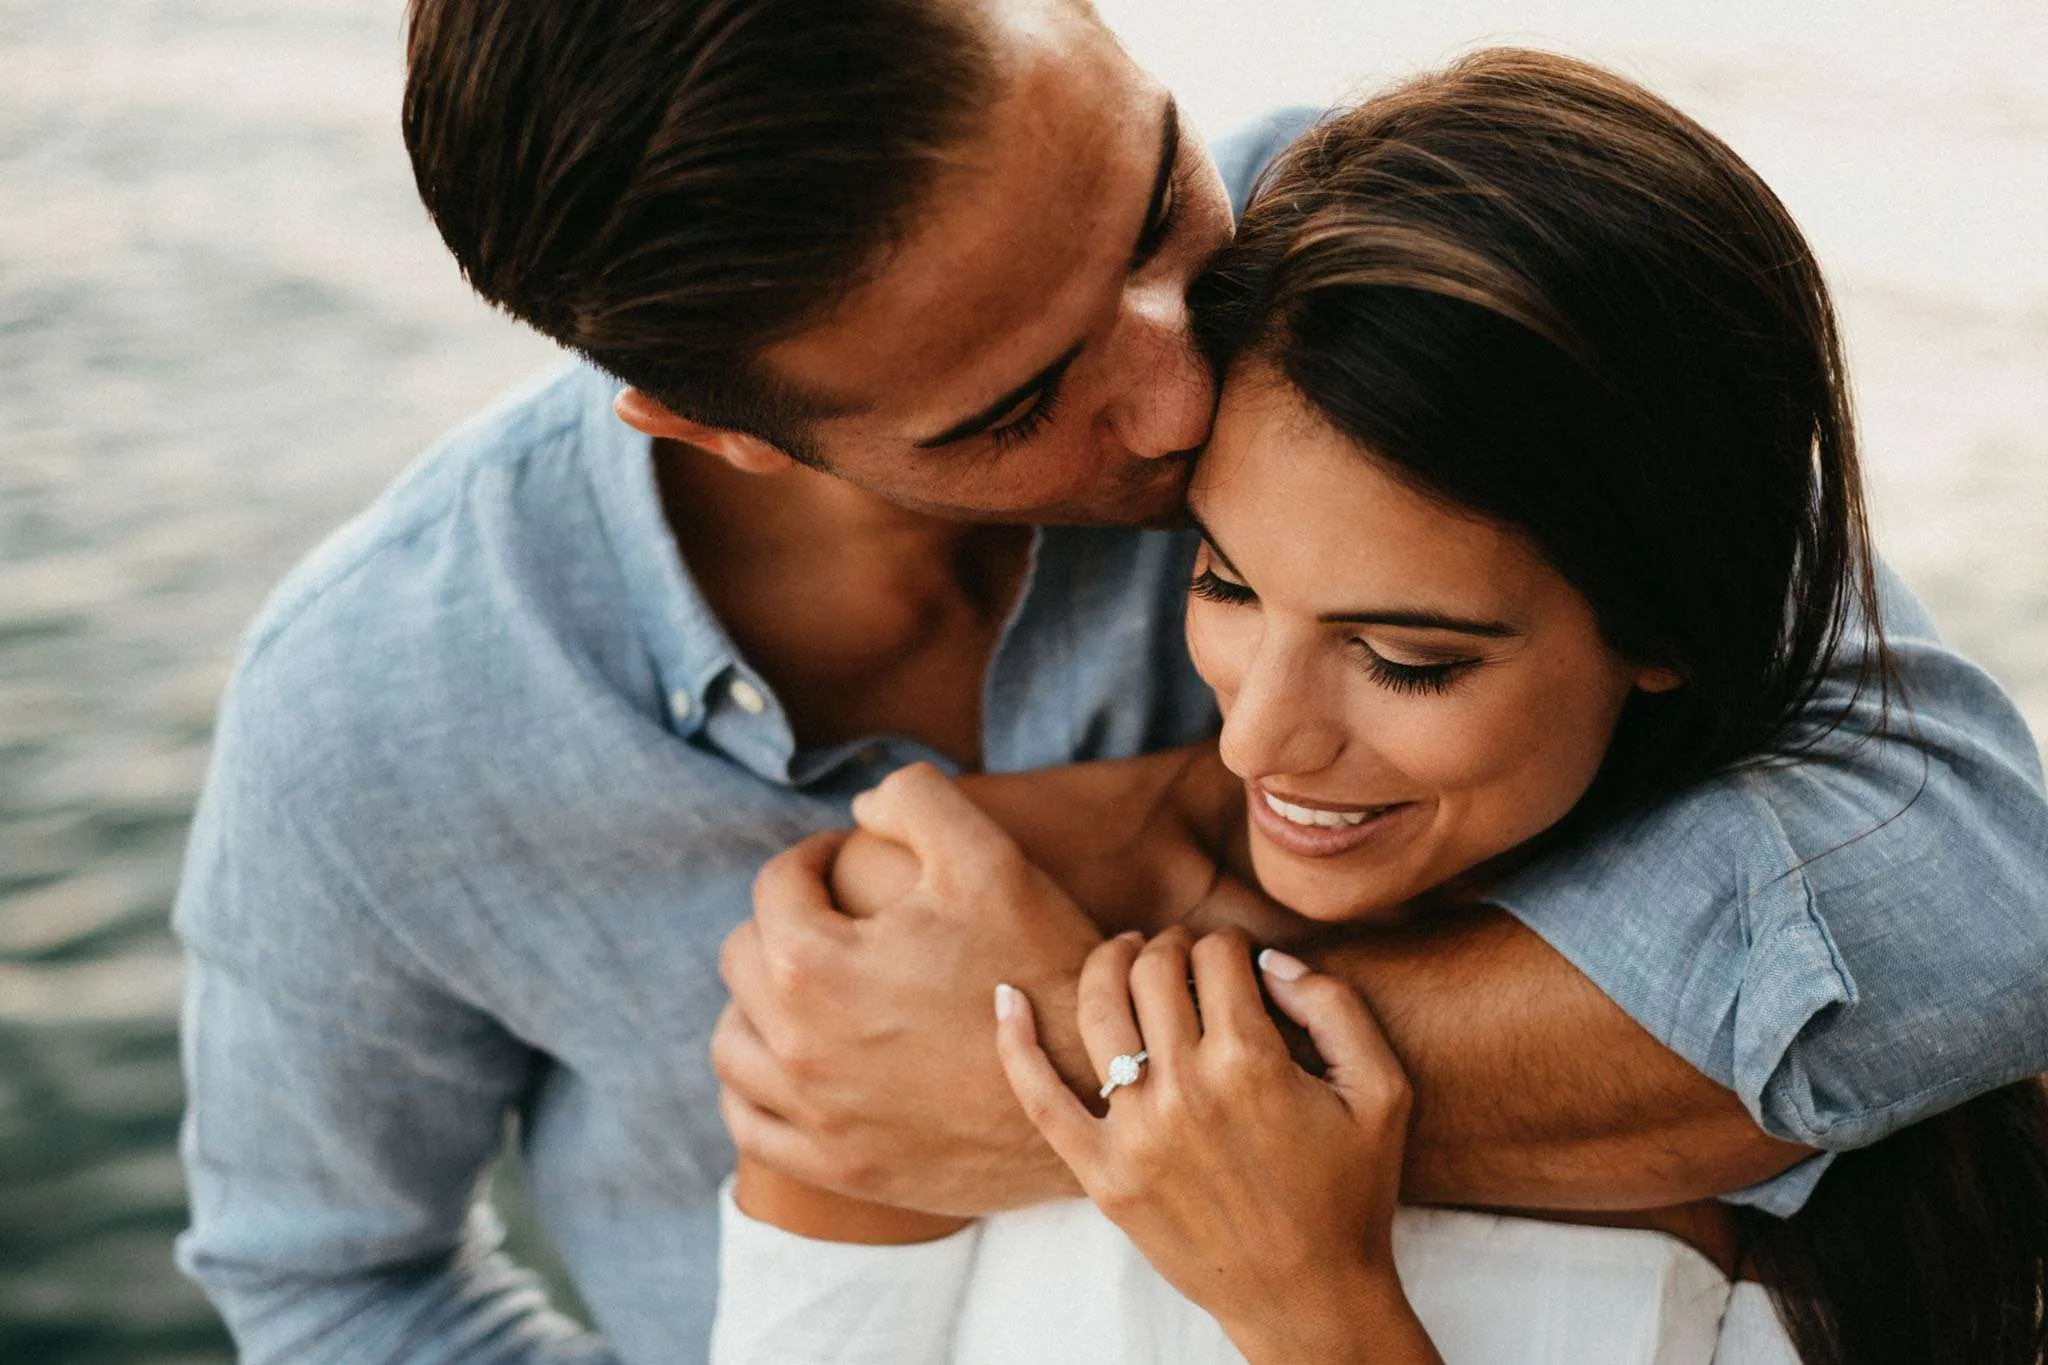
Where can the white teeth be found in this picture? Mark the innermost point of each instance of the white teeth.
(1325, 819)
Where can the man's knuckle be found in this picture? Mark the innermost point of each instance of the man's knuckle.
(1220, 946)
(1173, 941)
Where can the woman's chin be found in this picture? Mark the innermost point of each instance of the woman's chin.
(1329, 892)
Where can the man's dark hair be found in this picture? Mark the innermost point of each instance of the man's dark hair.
(669, 186)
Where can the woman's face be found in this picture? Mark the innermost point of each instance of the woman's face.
(1407, 691)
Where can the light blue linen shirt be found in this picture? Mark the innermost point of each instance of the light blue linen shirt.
(491, 784)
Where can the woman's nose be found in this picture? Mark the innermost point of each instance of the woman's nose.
(1168, 393)
(1279, 723)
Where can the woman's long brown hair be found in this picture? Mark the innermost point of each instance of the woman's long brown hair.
(1539, 293)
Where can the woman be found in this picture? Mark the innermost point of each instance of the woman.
(1532, 498)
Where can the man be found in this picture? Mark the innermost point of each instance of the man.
(892, 282)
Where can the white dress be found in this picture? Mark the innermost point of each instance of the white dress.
(1061, 1285)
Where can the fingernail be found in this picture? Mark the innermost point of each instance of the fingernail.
(859, 801)
(1131, 936)
(1006, 1000)
(1273, 962)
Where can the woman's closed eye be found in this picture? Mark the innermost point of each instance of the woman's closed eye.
(1210, 586)
(1435, 678)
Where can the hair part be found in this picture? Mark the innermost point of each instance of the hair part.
(667, 187)
(1540, 293)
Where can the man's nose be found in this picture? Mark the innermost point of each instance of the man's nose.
(1168, 397)
(1279, 724)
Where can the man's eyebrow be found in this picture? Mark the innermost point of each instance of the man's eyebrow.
(1150, 236)
(981, 421)
(1150, 239)
(1396, 617)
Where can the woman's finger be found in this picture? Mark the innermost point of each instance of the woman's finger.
(920, 807)
(1363, 1067)
(1102, 1003)
(1159, 991)
(1067, 1127)
(1227, 991)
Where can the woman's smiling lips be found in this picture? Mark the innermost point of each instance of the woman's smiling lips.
(1319, 829)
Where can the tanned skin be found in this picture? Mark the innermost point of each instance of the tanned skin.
(1157, 841)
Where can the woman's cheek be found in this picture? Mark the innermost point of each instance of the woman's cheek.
(1218, 646)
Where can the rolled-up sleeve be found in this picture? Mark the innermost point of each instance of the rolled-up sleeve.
(1851, 941)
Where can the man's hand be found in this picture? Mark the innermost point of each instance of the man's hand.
(859, 1052)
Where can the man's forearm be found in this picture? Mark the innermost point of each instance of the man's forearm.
(1533, 1089)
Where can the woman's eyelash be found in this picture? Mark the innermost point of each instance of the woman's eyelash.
(1434, 679)
(1030, 423)
(1207, 586)
(1430, 678)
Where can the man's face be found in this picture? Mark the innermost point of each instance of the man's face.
(1024, 354)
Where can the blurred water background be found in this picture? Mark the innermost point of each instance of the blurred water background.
(224, 323)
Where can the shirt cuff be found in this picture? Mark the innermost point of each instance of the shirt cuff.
(1785, 1193)
(784, 1299)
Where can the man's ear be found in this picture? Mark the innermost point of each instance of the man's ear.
(748, 454)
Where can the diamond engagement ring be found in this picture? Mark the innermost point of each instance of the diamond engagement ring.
(1124, 1070)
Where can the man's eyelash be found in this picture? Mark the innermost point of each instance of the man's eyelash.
(1157, 235)
(1032, 421)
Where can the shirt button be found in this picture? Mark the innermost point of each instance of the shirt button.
(679, 705)
(747, 697)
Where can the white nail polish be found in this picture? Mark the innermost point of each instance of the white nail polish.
(1273, 962)
(1006, 1000)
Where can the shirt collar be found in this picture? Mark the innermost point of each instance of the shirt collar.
(707, 689)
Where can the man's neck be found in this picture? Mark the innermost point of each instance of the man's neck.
(864, 616)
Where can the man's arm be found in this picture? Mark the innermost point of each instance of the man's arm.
(1533, 1090)
(341, 1109)
(862, 1048)
(1851, 942)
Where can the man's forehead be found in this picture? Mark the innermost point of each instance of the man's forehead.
(1025, 234)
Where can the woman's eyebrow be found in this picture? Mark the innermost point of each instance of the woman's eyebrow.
(1209, 537)
(1420, 620)
(1406, 618)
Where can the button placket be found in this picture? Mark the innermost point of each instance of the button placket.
(747, 697)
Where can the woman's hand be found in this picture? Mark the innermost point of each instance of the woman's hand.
(1260, 1192)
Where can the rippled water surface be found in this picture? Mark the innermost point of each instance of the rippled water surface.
(224, 323)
